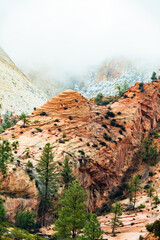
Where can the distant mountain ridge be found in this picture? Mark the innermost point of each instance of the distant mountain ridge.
(17, 94)
(110, 74)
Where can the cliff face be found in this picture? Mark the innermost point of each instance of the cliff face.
(101, 141)
(17, 94)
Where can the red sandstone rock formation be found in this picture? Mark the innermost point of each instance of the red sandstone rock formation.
(76, 126)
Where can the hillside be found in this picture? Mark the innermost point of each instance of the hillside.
(102, 142)
(17, 94)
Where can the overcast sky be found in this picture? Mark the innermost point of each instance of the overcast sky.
(69, 36)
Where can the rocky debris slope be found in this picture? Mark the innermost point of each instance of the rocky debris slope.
(101, 141)
(17, 94)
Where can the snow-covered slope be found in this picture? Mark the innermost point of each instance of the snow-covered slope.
(112, 73)
(17, 94)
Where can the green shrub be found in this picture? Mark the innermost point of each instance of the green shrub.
(105, 102)
(154, 227)
(110, 114)
(141, 206)
(141, 88)
(25, 219)
(64, 135)
(106, 137)
(98, 98)
(120, 131)
(29, 164)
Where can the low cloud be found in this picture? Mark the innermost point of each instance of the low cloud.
(66, 37)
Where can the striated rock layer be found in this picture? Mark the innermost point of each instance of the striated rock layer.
(101, 148)
(17, 94)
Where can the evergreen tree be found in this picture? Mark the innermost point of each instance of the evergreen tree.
(149, 152)
(130, 190)
(122, 88)
(66, 173)
(116, 219)
(72, 214)
(23, 117)
(5, 155)
(6, 122)
(150, 190)
(136, 181)
(47, 178)
(156, 200)
(154, 77)
(92, 230)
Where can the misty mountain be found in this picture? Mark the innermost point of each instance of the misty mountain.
(111, 73)
(17, 94)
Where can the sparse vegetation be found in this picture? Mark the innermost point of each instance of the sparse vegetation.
(110, 114)
(106, 137)
(141, 87)
(23, 117)
(149, 152)
(154, 76)
(29, 164)
(43, 114)
(122, 89)
(134, 187)
(154, 228)
(98, 98)
(5, 155)
(116, 218)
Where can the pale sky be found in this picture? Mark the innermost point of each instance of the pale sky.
(66, 37)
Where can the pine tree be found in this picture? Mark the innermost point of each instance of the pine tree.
(130, 190)
(150, 190)
(5, 155)
(116, 219)
(154, 77)
(66, 173)
(136, 181)
(156, 200)
(92, 230)
(23, 117)
(72, 214)
(47, 178)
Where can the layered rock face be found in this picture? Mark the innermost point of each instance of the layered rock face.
(17, 94)
(101, 141)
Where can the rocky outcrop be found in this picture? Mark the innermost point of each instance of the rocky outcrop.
(19, 192)
(101, 141)
(17, 94)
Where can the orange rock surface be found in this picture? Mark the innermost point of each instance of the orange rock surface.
(76, 126)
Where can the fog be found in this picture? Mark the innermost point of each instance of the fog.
(64, 38)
